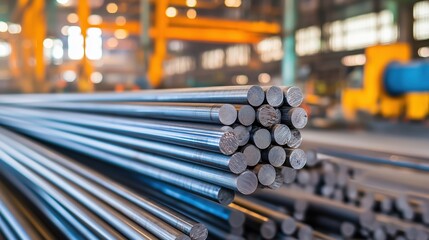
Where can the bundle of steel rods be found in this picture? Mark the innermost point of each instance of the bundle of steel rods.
(151, 156)
(349, 199)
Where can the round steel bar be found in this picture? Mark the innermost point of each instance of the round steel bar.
(189, 227)
(274, 155)
(294, 117)
(253, 95)
(252, 154)
(280, 134)
(267, 116)
(225, 114)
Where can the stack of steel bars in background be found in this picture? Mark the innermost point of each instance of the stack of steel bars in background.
(151, 164)
(374, 197)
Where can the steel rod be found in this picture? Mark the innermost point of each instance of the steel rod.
(253, 95)
(225, 114)
(189, 227)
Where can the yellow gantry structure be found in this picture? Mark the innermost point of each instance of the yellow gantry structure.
(27, 58)
(201, 29)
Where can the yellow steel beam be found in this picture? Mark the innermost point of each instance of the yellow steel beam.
(248, 26)
(133, 27)
(39, 25)
(160, 40)
(216, 35)
(84, 83)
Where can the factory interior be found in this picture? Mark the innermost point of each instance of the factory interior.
(214, 119)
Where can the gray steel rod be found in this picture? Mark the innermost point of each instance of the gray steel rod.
(245, 183)
(43, 184)
(266, 174)
(289, 174)
(280, 134)
(185, 225)
(294, 117)
(234, 218)
(246, 115)
(58, 216)
(295, 158)
(317, 204)
(261, 137)
(6, 230)
(274, 155)
(267, 116)
(253, 95)
(54, 175)
(225, 114)
(286, 223)
(267, 227)
(295, 139)
(211, 191)
(252, 154)
(235, 163)
(224, 142)
(17, 223)
(280, 95)
(242, 134)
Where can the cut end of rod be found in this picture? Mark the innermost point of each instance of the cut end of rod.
(298, 118)
(293, 96)
(246, 115)
(297, 158)
(225, 196)
(281, 134)
(182, 237)
(228, 143)
(255, 96)
(268, 230)
(288, 226)
(289, 174)
(312, 159)
(227, 114)
(237, 163)
(242, 134)
(277, 156)
(295, 139)
(247, 182)
(252, 153)
(266, 174)
(347, 229)
(199, 232)
(236, 219)
(274, 95)
(262, 138)
(305, 232)
(267, 116)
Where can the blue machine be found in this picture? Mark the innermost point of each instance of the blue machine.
(401, 78)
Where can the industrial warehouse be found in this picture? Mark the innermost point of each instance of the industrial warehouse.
(214, 119)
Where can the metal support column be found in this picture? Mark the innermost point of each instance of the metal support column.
(289, 58)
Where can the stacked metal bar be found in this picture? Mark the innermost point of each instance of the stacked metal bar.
(183, 146)
(350, 199)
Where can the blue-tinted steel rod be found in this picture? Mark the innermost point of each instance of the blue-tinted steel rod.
(253, 95)
(119, 222)
(208, 190)
(17, 223)
(18, 168)
(147, 221)
(225, 114)
(69, 226)
(235, 163)
(223, 142)
(35, 150)
(245, 183)
(234, 218)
